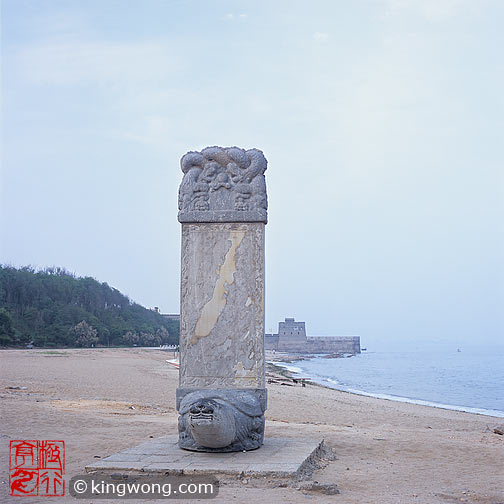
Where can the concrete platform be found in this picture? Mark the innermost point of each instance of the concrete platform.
(278, 457)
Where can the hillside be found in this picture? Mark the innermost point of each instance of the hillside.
(53, 308)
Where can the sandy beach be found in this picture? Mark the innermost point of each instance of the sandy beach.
(101, 401)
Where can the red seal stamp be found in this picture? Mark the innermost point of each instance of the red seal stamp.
(36, 468)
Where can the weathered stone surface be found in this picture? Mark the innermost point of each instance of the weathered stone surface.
(221, 420)
(223, 185)
(221, 396)
(259, 394)
(289, 457)
(222, 306)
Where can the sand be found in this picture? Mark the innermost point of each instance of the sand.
(101, 401)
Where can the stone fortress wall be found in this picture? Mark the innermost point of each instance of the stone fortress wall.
(292, 337)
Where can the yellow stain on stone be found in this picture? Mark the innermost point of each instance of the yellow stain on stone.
(211, 311)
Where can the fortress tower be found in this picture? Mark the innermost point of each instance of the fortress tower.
(292, 337)
(291, 334)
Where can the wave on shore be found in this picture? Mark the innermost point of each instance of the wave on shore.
(298, 372)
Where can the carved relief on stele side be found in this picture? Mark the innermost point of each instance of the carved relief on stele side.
(222, 317)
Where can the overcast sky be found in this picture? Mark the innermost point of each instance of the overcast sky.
(382, 122)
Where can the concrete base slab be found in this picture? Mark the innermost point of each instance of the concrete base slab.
(278, 457)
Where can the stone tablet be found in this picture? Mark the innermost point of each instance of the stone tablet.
(221, 397)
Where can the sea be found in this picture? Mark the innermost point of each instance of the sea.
(467, 379)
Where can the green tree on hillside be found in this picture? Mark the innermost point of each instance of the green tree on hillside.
(43, 305)
(83, 334)
(149, 339)
(6, 330)
(164, 336)
(131, 338)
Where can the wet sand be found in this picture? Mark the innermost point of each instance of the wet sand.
(101, 401)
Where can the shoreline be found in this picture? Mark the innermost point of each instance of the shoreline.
(292, 370)
(284, 364)
(103, 401)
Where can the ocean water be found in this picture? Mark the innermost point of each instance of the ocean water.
(470, 380)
